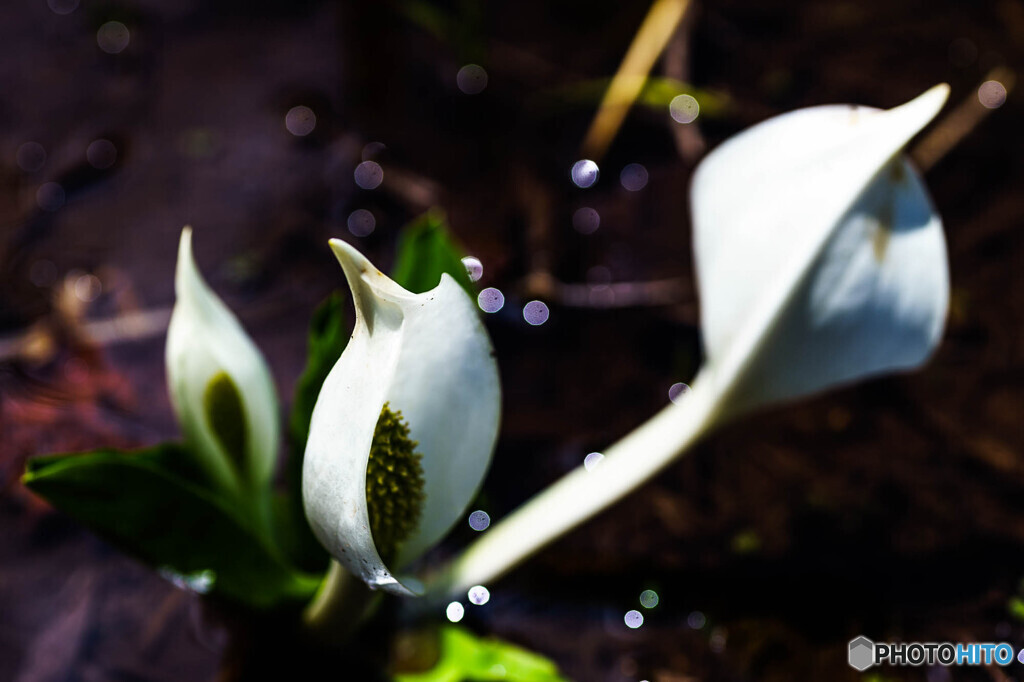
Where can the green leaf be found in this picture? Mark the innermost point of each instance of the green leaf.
(328, 337)
(147, 504)
(425, 250)
(464, 656)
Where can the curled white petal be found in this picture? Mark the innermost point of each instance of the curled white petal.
(205, 339)
(820, 257)
(429, 357)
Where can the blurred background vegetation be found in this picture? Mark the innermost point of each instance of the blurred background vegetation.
(893, 509)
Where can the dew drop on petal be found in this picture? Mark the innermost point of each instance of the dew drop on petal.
(369, 175)
(586, 220)
(490, 300)
(471, 79)
(677, 391)
(479, 520)
(31, 157)
(479, 595)
(300, 121)
(633, 177)
(113, 37)
(361, 222)
(634, 619)
(584, 173)
(592, 460)
(101, 154)
(649, 599)
(992, 94)
(696, 620)
(684, 109)
(50, 196)
(535, 313)
(455, 611)
(474, 268)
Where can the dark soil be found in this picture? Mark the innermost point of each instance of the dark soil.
(893, 509)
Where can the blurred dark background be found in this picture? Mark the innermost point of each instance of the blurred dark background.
(892, 509)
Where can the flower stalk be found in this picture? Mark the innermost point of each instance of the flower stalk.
(820, 260)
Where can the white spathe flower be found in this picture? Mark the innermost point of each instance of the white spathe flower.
(820, 260)
(820, 257)
(428, 357)
(220, 385)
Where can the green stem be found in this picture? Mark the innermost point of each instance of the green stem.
(339, 607)
(581, 494)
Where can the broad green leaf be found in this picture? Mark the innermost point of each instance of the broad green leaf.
(464, 656)
(145, 503)
(328, 337)
(425, 250)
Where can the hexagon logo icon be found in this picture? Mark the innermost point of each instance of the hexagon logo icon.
(862, 653)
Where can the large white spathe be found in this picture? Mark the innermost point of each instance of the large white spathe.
(427, 356)
(205, 341)
(820, 258)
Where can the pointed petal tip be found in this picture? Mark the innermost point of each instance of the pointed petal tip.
(927, 105)
(349, 256)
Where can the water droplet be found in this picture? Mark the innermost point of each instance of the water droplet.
(369, 175)
(200, 582)
(584, 173)
(648, 599)
(634, 619)
(717, 640)
(474, 268)
(101, 154)
(88, 288)
(599, 275)
(300, 121)
(677, 391)
(471, 79)
(592, 460)
(31, 157)
(586, 220)
(361, 222)
(535, 312)
(684, 109)
(62, 6)
(113, 37)
(992, 94)
(490, 300)
(50, 196)
(455, 611)
(479, 520)
(479, 595)
(633, 177)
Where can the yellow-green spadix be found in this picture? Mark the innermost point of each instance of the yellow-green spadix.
(428, 359)
(220, 385)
